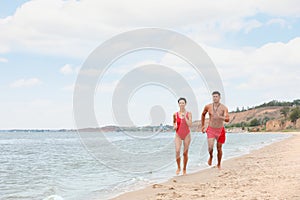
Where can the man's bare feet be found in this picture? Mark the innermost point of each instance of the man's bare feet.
(219, 166)
(209, 161)
(184, 172)
(178, 171)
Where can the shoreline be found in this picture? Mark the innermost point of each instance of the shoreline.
(262, 174)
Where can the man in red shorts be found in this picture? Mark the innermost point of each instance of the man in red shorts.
(218, 113)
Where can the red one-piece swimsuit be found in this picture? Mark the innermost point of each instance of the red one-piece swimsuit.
(182, 128)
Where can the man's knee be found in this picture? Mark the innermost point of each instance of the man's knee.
(185, 154)
(210, 149)
(219, 148)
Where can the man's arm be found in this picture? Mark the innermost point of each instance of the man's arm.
(226, 115)
(205, 110)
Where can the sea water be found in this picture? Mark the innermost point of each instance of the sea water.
(68, 165)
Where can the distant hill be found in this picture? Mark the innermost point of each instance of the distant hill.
(262, 115)
(271, 116)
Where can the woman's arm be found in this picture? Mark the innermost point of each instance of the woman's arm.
(174, 121)
(189, 120)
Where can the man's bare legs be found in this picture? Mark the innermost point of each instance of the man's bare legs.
(187, 142)
(178, 142)
(220, 153)
(210, 142)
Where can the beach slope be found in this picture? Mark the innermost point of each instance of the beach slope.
(272, 172)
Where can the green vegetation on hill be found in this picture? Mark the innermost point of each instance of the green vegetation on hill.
(271, 104)
(282, 115)
(295, 114)
(280, 103)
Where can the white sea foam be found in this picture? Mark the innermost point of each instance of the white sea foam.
(53, 197)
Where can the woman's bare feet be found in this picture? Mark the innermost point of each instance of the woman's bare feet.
(178, 171)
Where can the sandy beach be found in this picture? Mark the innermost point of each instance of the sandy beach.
(272, 172)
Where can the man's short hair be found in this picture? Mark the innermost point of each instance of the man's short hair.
(216, 92)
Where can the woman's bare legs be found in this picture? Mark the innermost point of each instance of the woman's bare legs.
(178, 142)
(187, 142)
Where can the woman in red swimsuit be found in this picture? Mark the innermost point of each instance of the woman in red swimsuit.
(182, 120)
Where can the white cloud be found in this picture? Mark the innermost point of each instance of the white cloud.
(281, 22)
(123, 69)
(25, 83)
(270, 71)
(56, 26)
(66, 69)
(89, 72)
(252, 24)
(107, 87)
(280, 8)
(69, 87)
(244, 62)
(3, 60)
(69, 69)
(4, 47)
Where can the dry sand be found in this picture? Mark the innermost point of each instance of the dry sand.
(272, 172)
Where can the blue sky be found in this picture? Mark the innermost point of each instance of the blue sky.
(43, 45)
(9, 7)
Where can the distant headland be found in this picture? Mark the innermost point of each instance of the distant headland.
(271, 116)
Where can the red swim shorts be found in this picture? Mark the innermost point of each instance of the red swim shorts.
(217, 133)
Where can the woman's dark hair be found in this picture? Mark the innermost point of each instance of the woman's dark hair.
(182, 98)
